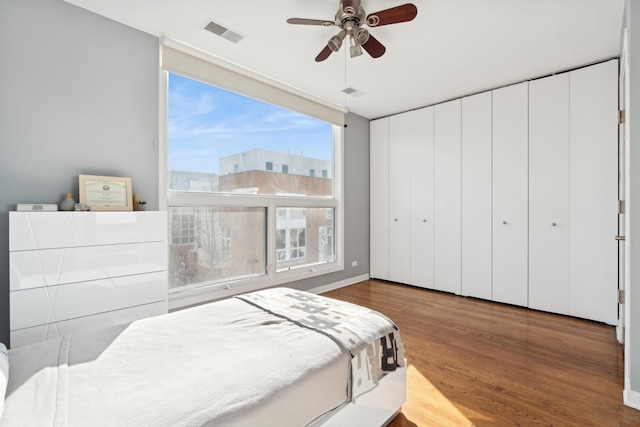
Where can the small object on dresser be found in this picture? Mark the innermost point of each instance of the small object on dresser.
(81, 207)
(36, 207)
(68, 203)
(141, 205)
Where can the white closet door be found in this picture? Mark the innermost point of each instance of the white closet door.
(594, 192)
(422, 197)
(447, 165)
(476, 196)
(401, 134)
(510, 194)
(549, 194)
(379, 198)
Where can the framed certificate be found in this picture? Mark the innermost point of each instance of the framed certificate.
(106, 193)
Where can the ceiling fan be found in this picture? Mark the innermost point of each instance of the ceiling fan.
(350, 18)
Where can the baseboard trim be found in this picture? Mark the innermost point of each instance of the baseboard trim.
(341, 284)
(631, 398)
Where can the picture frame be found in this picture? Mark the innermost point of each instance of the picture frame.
(105, 193)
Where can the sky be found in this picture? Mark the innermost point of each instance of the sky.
(206, 123)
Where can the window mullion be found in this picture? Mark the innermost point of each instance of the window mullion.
(271, 240)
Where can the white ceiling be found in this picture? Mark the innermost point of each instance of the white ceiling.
(451, 49)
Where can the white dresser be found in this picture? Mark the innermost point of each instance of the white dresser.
(75, 272)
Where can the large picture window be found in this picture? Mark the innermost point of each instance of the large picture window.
(251, 189)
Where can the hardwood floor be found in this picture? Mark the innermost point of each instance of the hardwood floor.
(475, 362)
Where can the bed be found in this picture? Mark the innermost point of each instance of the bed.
(274, 357)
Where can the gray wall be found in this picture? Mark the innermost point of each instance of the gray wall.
(356, 205)
(78, 95)
(633, 202)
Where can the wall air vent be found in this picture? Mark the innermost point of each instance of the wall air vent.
(223, 32)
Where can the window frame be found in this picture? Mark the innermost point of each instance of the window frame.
(179, 298)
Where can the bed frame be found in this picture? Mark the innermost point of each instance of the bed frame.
(377, 407)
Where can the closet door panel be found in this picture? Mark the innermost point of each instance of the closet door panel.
(594, 192)
(447, 166)
(422, 249)
(510, 195)
(379, 198)
(549, 194)
(401, 134)
(476, 196)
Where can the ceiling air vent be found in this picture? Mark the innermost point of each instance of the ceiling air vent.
(353, 92)
(223, 32)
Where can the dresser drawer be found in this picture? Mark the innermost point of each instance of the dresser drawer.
(48, 230)
(41, 306)
(51, 267)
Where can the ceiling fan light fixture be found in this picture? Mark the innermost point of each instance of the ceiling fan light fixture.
(335, 42)
(362, 36)
(355, 49)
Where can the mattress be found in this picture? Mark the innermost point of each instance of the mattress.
(228, 363)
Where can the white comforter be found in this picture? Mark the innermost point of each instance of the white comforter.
(143, 374)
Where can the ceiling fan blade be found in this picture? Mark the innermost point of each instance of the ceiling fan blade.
(324, 54)
(395, 15)
(374, 47)
(351, 6)
(303, 21)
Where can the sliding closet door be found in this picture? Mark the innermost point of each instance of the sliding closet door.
(422, 198)
(549, 194)
(379, 198)
(447, 262)
(401, 135)
(594, 192)
(510, 194)
(476, 196)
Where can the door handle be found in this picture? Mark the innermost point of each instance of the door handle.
(618, 238)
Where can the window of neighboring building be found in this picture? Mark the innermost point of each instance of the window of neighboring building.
(302, 238)
(221, 201)
(182, 228)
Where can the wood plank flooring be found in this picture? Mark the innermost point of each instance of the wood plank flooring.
(475, 362)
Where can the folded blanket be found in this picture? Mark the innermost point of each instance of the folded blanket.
(372, 340)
